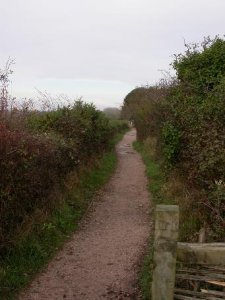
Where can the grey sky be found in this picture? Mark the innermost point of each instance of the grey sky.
(99, 49)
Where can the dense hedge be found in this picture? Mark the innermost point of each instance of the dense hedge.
(187, 117)
(144, 106)
(35, 161)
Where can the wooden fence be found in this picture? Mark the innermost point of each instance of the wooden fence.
(185, 271)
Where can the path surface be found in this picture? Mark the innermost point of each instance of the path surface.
(102, 259)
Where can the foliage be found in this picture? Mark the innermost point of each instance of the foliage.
(186, 117)
(30, 166)
(143, 107)
(4, 83)
(215, 205)
(169, 190)
(36, 160)
(171, 143)
(196, 107)
(31, 253)
(201, 68)
(82, 124)
(118, 126)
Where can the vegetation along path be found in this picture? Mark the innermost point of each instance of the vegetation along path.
(102, 259)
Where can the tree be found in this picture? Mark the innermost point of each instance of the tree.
(4, 84)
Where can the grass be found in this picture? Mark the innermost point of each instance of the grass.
(154, 173)
(157, 179)
(166, 189)
(30, 255)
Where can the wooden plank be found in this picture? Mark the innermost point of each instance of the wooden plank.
(215, 293)
(204, 253)
(202, 294)
(182, 297)
(202, 270)
(197, 277)
(179, 291)
(219, 283)
(219, 269)
(202, 273)
(214, 275)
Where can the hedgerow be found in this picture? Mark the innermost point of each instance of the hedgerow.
(188, 122)
(37, 158)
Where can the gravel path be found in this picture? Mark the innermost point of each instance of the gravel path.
(102, 259)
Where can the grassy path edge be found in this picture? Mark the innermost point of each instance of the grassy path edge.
(156, 179)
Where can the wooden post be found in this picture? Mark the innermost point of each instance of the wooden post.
(165, 246)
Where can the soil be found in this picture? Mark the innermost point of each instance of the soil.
(102, 259)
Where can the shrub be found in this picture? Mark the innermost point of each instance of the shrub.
(196, 107)
(187, 119)
(171, 143)
(36, 161)
(30, 167)
(201, 68)
(144, 107)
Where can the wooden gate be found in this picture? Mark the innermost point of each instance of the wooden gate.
(185, 271)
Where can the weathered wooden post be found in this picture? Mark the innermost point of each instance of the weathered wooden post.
(165, 246)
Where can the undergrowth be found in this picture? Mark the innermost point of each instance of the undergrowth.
(156, 179)
(31, 254)
(168, 190)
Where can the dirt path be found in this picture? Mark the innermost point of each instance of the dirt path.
(101, 261)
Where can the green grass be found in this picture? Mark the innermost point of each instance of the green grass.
(156, 178)
(154, 173)
(30, 255)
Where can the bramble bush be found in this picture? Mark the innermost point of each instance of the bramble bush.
(36, 159)
(30, 166)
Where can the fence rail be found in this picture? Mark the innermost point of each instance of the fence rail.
(205, 253)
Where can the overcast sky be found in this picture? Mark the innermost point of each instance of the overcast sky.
(99, 49)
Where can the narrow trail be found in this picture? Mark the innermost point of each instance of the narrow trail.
(102, 259)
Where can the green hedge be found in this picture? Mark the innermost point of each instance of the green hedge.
(187, 117)
(36, 161)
